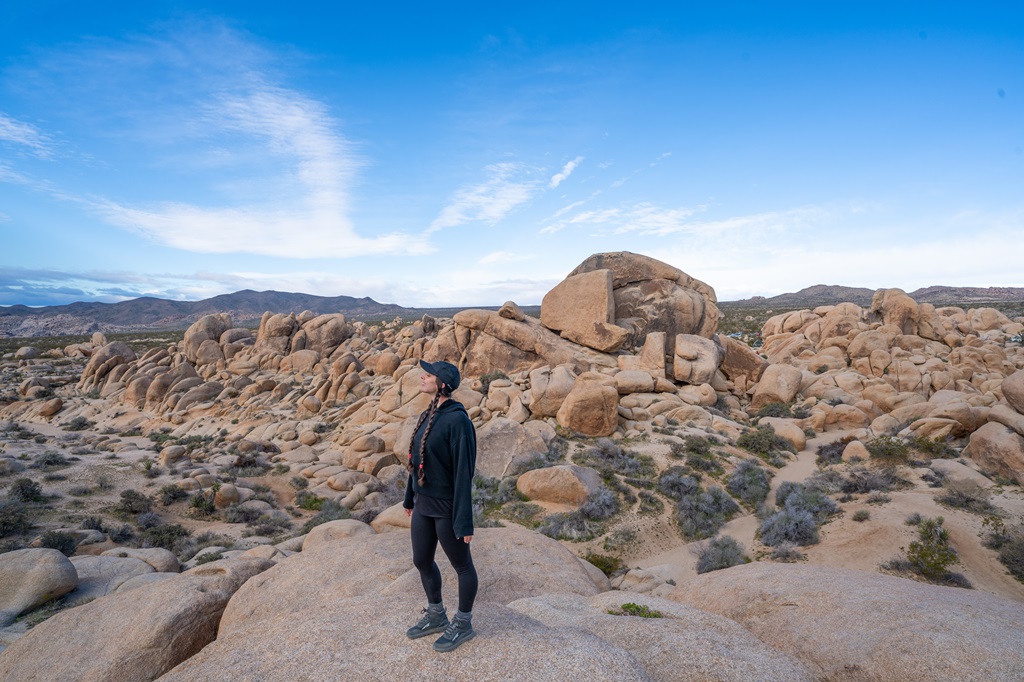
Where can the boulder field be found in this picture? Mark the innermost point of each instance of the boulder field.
(252, 425)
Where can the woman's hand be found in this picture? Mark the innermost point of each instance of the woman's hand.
(408, 512)
(468, 539)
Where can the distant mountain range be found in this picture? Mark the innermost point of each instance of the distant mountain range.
(822, 294)
(246, 307)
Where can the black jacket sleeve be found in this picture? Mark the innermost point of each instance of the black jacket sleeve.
(408, 494)
(463, 448)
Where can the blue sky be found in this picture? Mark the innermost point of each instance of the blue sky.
(437, 154)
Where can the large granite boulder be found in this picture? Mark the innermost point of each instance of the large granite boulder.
(850, 625)
(581, 307)
(654, 296)
(32, 577)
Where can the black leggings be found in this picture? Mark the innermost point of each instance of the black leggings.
(426, 532)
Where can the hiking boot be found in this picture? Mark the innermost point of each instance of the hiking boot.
(457, 632)
(431, 622)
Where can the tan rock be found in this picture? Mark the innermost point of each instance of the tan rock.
(333, 531)
(30, 578)
(548, 388)
(696, 359)
(778, 384)
(387, 363)
(227, 494)
(579, 301)
(880, 627)
(502, 445)
(391, 519)
(998, 449)
(1013, 390)
(1007, 417)
(132, 635)
(897, 309)
(101, 575)
(511, 311)
(561, 484)
(590, 408)
(856, 451)
(171, 455)
(51, 407)
(740, 360)
(631, 381)
(789, 429)
(652, 355)
(162, 560)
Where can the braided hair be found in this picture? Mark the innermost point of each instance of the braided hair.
(428, 415)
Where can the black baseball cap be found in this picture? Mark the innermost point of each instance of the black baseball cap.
(445, 371)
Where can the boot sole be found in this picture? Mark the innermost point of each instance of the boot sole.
(424, 633)
(457, 644)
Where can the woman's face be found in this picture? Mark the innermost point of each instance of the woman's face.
(428, 383)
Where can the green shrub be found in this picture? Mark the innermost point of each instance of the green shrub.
(935, 449)
(967, 495)
(14, 517)
(749, 482)
(26, 490)
(763, 441)
(702, 514)
(78, 424)
(786, 552)
(571, 526)
(930, 555)
(207, 557)
(889, 449)
(486, 379)
(638, 610)
(269, 525)
(861, 515)
(51, 459)
(600, 505)
(308, 501)
(863, 480)
(169, 494)
(609, 458)
(148, 520)
(1011, 554)
(721, 552)
(619, 539)
(607, 564)
(170, 536)
(65, 543)
(557, 449)
(132, 503)
(299, 482)
(650, 504)
(808, 498)
(201, 505)
(236, 514)
(330, 511)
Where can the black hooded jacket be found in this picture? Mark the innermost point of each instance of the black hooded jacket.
(450, 463)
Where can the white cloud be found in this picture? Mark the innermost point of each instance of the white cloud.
(503, 257)
(566, 171)
(309, 221)
(489, 201)
(26, 135)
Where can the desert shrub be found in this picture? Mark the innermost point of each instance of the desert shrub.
(878, 498)
(775, 410)
(793, 526)
(832, 453)
(120, 534)
(299, 482)
(786, 552)
(619, 539)
(572, 526)
(520, 512)
(93, 523)
(236, 514)
(889, 449)
(207, 557)
(170, 536)
(638, 610)
(913, 519)
(248, 465)
(201, 505)
(169, 494)
(132, 503)
(65, 543)
(601, 504)
(51, 459)
(268, 525)
(721, 552)
(701, 514)
(699, 445)
(708, 463)
(935, 449)
(650, 504)
(608, 564)
(557, 449)
(764, 442)
(610, 458)
(808, 498)
(148, 520)
(930, 555)
(1011, 555)
(330, 511)
(14, 517)
(78, 424)
(967, 495)
(864, 480)
(308, 501)
(26, 490)
(676, 483)
(80, 491)
(749, 482)
(486, 379)
(861, 515)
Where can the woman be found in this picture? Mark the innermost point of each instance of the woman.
(439, 498)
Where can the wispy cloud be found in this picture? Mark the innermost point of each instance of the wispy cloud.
(25, 135)
(508, 186)
(504, 257)
(645, 218)
(566, 171)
